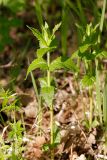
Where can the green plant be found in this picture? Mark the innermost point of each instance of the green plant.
(16, 135)
(3, 149)
(47, 44)
(91, 54)
(14, 149)
(6, 96)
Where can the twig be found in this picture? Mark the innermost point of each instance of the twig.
(101, 156)
(7, 65)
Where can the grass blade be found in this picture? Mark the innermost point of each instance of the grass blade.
(105, 102)
(38, 13)
(98, 94)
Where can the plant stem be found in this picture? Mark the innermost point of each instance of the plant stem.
(91, 108)
(15, 136)
(52, 131)
(39, 101)
(51, 107)
(48, 71)
(102, 16)
(98, 94)
(40, 116)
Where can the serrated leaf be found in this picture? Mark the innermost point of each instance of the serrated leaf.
(39, 36)
(37, 63)
(57, 26)
(75, 54)
(84, 47)
(88, 80)
(46, 33)
(42, 51)
(48, 94)
(69, 64)
(56, 64)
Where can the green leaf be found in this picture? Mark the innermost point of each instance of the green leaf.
(16, 130)
(48, 94)
(95, 123)
(46, 34)
(56, 64)
(88, 80)
(42, 51)
(57, 136)
(46, 147)
(60, 63)
(70, 65)
(84, 47)
(57, 26)
(37, 63)
(75, 54)
(43, 82)
(39, 36)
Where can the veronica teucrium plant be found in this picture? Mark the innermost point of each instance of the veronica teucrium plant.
(47, 44)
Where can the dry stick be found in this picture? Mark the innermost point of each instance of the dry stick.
(71, 152)
(101, 156)
(8, 65)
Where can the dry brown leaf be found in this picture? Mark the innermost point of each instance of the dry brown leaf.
(31, 109)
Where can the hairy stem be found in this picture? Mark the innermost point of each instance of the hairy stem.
(51, 107)
(48, 71)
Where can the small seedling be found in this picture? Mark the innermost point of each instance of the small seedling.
(15, 148)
